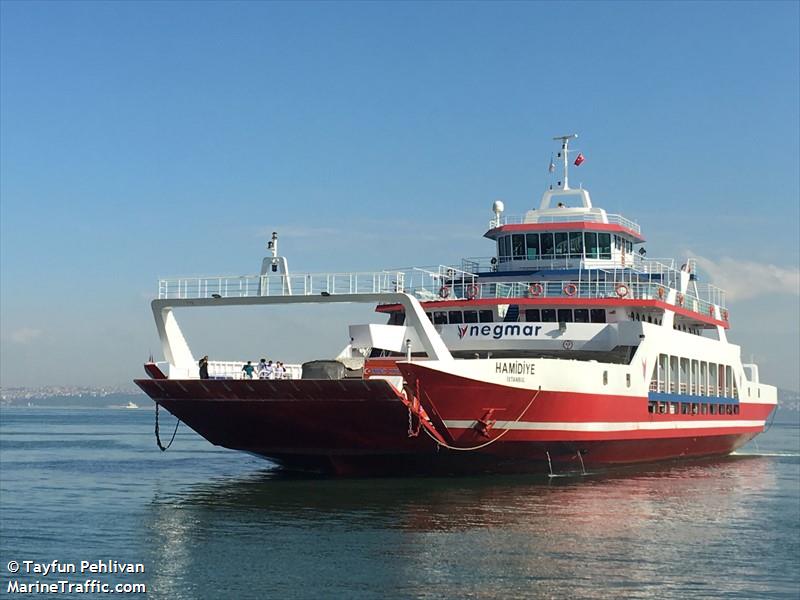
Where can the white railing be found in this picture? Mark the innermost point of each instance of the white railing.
(567, 218)
(232, 369)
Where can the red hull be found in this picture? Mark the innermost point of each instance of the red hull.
(355, 427)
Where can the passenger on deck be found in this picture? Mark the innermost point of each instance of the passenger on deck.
(263, 370)
(204, 367)
(280, 371)
(248, 369)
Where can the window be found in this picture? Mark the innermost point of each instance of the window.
(703, 378)
(728, 382)
(486, 316)
(651, 407)
(470, 316)
(562, 244)
(440, 318)
(605, 377)
(546, 240)
(628, 379)
(712, 409)
(604, 241)
(575, 244)
(532, 315)
(673, 374)
(455, 316)
(518, 246)
(597, 315)
(564, 315)
(397, 318)
(684, 408)
(581, 315)
(712, 379)
(695, 408)
(430, 317)
(703, 408)
(590, 242)
(532, 242)
(548, 315)
(736, 409)
(505, 248)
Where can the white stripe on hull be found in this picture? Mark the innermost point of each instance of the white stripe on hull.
(611, 426)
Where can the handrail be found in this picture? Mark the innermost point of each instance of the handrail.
(614, 219)
(447, 283)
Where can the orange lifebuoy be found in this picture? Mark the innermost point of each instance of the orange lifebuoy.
(725, 315)
(472, 291)
(536, 289)
(570, 289)
(444, 292)
(711, 310)
(621, 289)
(661, 292)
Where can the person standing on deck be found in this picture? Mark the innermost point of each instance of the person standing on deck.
(248, 369)
(263, 371)
(204, 367)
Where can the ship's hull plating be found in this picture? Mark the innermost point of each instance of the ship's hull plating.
(355, 427)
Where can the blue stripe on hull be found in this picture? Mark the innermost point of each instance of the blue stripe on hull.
(664, 397)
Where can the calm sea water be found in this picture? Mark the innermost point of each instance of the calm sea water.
(210, 523)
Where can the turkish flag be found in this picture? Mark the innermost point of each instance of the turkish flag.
(579, 159)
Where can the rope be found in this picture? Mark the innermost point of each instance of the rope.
(425, 429)
(771, 420)
(158, 437)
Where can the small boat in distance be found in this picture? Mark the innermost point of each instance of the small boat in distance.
(131, 404)
(566, 349)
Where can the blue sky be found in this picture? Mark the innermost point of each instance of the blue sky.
(140, 140)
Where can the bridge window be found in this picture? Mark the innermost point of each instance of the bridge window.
(604, 241)
(575, 244)
(562, 244)
(486, 316)
(518, 246)
(532, 243)
(590, 243)
(532, 315)
(598, 315)
(470, 316)
(505, 248)
(564, 315)
(548, 315)
(546, 240)
(397, 318)
(455, 316)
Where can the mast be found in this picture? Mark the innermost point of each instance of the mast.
(564, 156)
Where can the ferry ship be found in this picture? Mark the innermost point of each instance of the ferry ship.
(567, 349)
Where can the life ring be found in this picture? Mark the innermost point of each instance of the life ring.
(711, 310)
(622, 290)
(536, 289)
(472, 291)
(570, 289)
(444, 292)
(679, 299)
(725, 315)
(661, 292)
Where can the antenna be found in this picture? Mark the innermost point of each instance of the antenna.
(564, 156)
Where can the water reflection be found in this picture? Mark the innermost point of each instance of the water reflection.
(645, 530)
